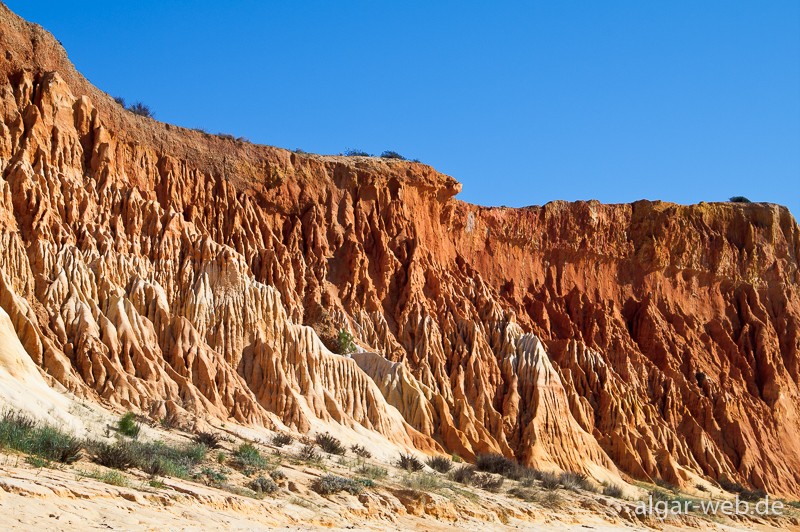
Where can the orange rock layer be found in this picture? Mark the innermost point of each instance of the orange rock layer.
(156, 268)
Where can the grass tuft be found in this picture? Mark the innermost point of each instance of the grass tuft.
(209, 439)
(360, 451)
(248, 459)
(280, 439)
(441, 464)
(329, 444)
(22, 433)
(410, 463)
(612, 490)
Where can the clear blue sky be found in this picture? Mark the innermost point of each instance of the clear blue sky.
(523, 102)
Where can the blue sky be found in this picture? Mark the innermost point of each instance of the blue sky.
(523, 102)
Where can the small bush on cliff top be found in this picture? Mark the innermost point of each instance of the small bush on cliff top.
(140, 109)
(389, 154)
(354, 152)
(739, 199)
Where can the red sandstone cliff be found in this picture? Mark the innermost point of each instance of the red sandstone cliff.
(157, 268)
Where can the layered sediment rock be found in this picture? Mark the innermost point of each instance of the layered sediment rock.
(161, 269)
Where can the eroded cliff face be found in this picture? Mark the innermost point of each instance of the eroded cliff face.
(156, 268)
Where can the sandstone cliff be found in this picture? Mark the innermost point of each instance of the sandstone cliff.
(151, 267)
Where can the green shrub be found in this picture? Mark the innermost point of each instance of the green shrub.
(463, 474)
(360, 451)
(262, 484)
(156, 458)
(159, 467)
(354, 152)
(373, 472)
(739, 199)
(661, 483)
(507, 467)
(280, 439)
(410, 463)
(141, 109)
(329, 484)
(21, 433)
(196, 453)
(118, 455)
(345, 342)
(548, 499)
(423, 482)
(440, 463)
(487, 481)
(612, 490)
(309, 453)
(248, 459)
(729, 485)
(212, 476)
(527, 495)
(277, 474)
(52, 444)
(15, 427)
(495, 463)
(575, 481)
(37, 462)
(209, 439)
(389, 154)
(752, 495)
(329, 444)
(128, 426)
(549, 480)
(115, 478)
